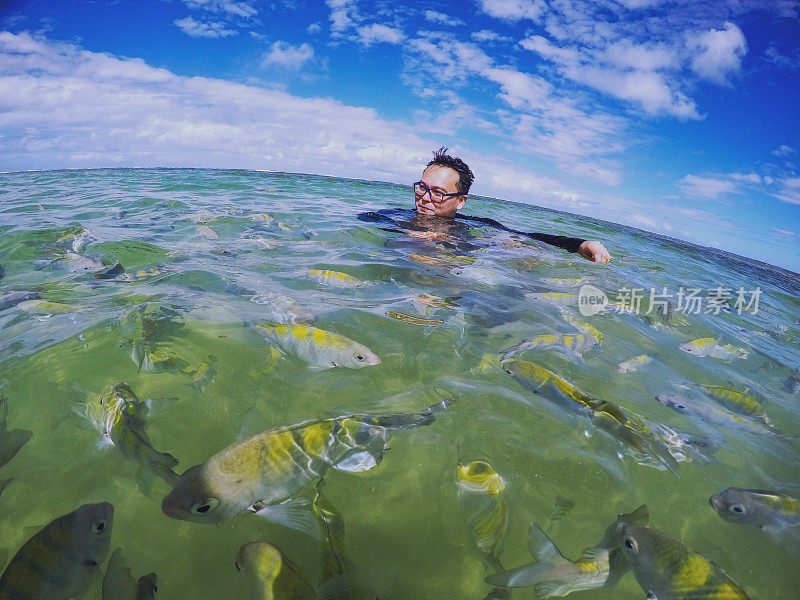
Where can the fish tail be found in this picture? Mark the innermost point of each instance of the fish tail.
(548, 573)
(411, 420)
(162, 464)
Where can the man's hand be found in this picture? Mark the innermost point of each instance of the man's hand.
(594, 251)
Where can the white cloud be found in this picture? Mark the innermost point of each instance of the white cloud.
(706, 187)
(716, 54)
(287, 56)
(314, 28)
(371, 34)
(344, 14)
(442, 19)
(244, 9)
(513, 10)
(783, 150)
(208, 29)
(789, 190)
(784, 232)
(485, 35)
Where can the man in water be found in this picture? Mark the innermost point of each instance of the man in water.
(442, 192)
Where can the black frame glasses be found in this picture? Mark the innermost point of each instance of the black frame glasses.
(436, 196)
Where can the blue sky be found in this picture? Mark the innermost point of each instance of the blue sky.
(675, 116)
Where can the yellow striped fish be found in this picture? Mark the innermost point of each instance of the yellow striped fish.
(335, 278)
(634, 363)
(480, 497)
(263, 470)
(586, 329)
(576, 344)
(62, 560)
(553, 575)
(621, 424)
(44, 307)
(738, 402)
(398, 316)
(270, 575)
(558, 298)
(319, 348)
(119, 416)
(669, 570)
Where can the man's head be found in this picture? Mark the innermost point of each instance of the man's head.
(443, 189)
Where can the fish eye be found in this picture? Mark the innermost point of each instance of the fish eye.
(204, 506)
(360, 358)
(236, 564)
(631, 544)
(680, 407)
(98, 527)
(736, 508)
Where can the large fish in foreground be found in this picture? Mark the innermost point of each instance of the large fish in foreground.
(268, 468)
(667, 569)
(62, 560)
(622, 425)
(270, 575)
(552, 575)
(119, 416)
(319, 348)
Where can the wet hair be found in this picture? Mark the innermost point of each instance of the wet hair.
(465, 176)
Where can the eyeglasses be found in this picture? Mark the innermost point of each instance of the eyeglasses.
(436, 196)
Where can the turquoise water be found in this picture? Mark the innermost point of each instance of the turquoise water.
(200, 256)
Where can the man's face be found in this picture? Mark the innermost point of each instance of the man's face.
(445, 180)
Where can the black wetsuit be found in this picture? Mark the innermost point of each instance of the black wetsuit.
(404, 218)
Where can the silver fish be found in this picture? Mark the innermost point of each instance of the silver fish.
(762, 508)
(713, 413)
(62, 560)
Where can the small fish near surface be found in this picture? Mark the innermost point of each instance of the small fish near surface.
(711, 347)
(338, 579)
(619, 423)
(739, 402)
(119, 583)
(270, 575)
(262, 471)
(120, 417)
(557, 298)
(669, 570)
(14, 297)
(11, 441)
(412, 320)
(575, 344)
(44, 307)
(714, 414)
(319, 348)
(767, 509)
(632, 364)
(552, 575)
(62, 560)
(335, 278)
(484, 508)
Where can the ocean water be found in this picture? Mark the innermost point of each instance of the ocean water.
(203, 264)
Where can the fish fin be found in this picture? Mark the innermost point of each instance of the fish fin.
(144, 481)
(253, 422)
(4, 483)
(13, 443)
(274, 355)
(117, 269)
(554, 588)
(294, 514)
(548, 562)
(358, 462)
(104, 442)
(118, 582)
(152, 407)
(412, 420)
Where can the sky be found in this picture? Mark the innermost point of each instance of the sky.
(679, 117)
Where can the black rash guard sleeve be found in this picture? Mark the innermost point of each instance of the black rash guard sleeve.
(571, 244)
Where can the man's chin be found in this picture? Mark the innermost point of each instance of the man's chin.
(425, 211)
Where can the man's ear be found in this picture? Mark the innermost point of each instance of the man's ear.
(461, 202)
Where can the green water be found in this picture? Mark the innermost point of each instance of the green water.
(404, 531)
